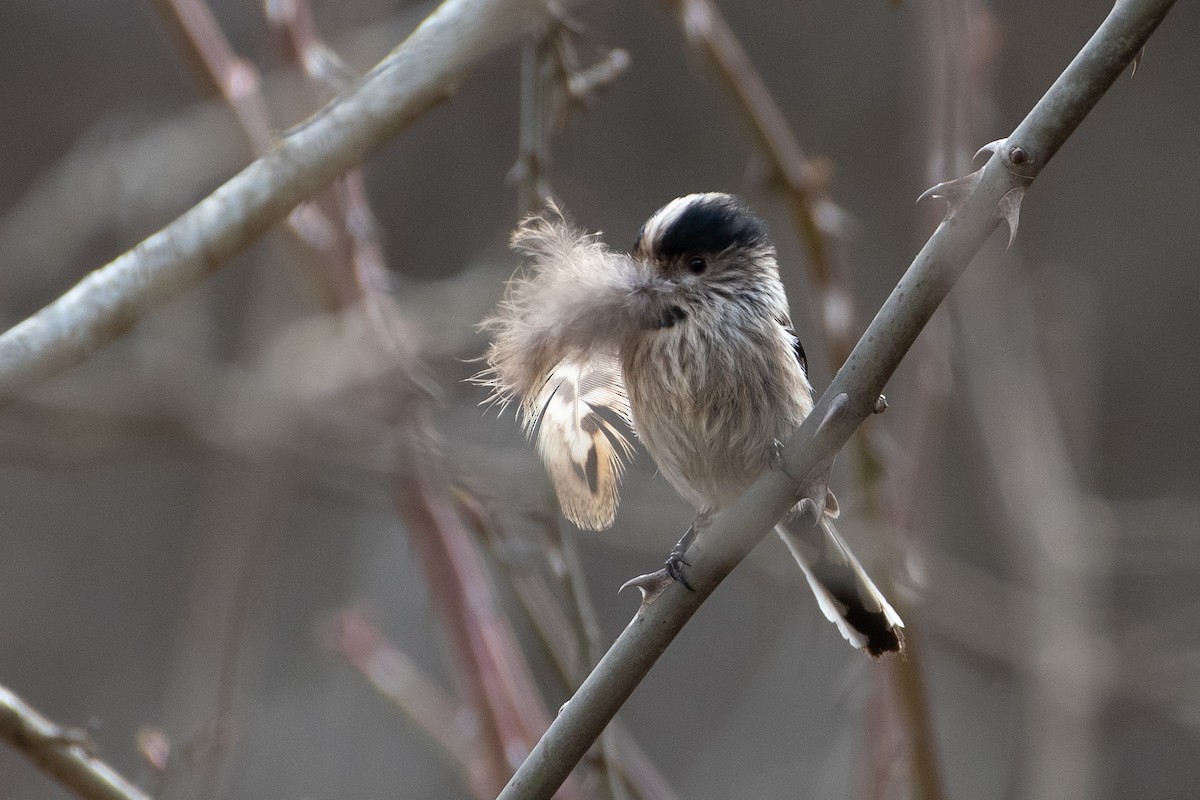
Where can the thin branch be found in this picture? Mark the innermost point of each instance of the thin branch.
(804, 185)
(396, 677)
(220, 70)
(61, 753)
(1061, 543)
(422, 71)
(521, 568)
(803, 180)
(533, 149)
(850, 399)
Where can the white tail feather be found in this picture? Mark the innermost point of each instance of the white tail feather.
(846, 594)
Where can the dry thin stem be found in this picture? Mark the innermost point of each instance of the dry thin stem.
(850, 399)
(709, 34)
(419, 73)
(572, 643)
(353, 276)
(1062, 545)
(396, 677)
(220, 70)
(241, 537)
(803, 181)
(498, 682)
(522, 568)
(537, 110)
(64, 754)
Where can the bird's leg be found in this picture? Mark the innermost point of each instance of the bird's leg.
(676, 562)
(653, 584)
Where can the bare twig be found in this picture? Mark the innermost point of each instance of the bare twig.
(220, 71)
(537, 109)
(396, 677)
(420, 72)
(851, 397)
(1062, 545)
(803, 180)
(498, 682)
(524, 568)
(805, 187)
(62, 753)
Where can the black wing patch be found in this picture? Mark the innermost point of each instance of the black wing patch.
(797, 348)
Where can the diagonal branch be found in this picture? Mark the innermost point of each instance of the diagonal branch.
(422, 71)
(61, 753)
(851, 396)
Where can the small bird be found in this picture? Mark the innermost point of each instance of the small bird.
(688, 342)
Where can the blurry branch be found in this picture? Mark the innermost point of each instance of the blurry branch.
(553, 84)
(521, 566)
(959, 56)
(127, 172)
(1062, 547)
(227, 581)
(804, 180)
(805, 185)
(321, 63)
(385, 379)
(572, 636)
(62, 753)
(237, 81)
(533, 153)
(221, 71)
(498, 682)
(395, 676)
(977, 206)
(423, 70)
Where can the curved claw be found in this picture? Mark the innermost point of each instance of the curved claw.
(674, 567)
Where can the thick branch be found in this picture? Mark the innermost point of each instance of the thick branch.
(849, 400)
(424, 69)
(61, 753)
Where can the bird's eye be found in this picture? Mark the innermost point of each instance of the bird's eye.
(697, 265)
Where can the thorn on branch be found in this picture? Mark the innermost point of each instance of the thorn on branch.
(1137, 61)
(651, 585)
(1009, 209)
(954, 192)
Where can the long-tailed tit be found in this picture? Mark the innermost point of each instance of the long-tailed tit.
(688, 341)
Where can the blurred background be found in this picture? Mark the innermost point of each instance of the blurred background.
(269, 544)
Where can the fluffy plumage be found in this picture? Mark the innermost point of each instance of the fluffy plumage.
(689, 339)
(566, 315)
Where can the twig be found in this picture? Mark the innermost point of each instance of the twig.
(803, 181)
(806, 191)
(419, 73)
(396, 677)
(537, 108)
(850, 399)
(61, 753)
(624, 760)
(1063, 547)
(484, 646)
(522, 571)
(220, 70)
